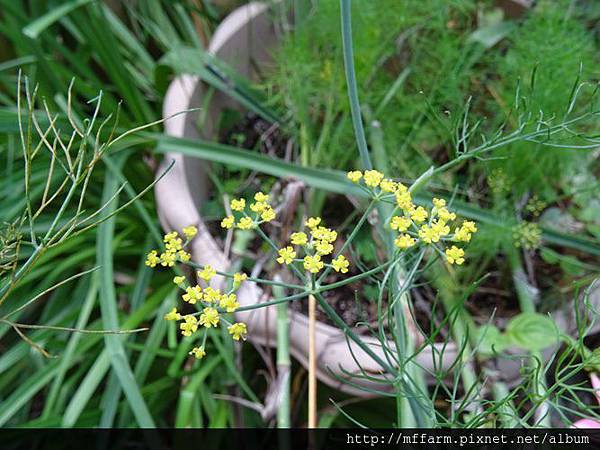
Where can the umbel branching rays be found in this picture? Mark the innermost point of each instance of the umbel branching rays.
(70, 149)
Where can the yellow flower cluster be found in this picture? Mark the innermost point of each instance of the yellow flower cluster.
(317, 243)
(415, 224)
(260, 212)
(174, 249)
(212, 303)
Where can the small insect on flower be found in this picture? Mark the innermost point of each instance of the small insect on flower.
(228, 222)
(190, 232)
(229, 302)
(189, 326)
(286, 255)
(238, 204)
(404, 241)
(209, 317)
(400, 223)
(313, 263)
(173, 315)
(179, 280)
(372, 178)
(354, 176)
(198, 352)
(340, 264)
(299, 238)
(207, 272)
(455, 255)
(152, 259)
(238, 331)
(245, 223)
(238, 279)
(313, 222)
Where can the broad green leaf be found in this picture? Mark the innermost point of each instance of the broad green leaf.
(532, 331)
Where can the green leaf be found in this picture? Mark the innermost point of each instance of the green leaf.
(490, 340)
(532, 331)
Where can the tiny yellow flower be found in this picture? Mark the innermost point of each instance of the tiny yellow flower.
(239, 278)
(192, 294)
(258, 207)
(245, 223)
(462, 234)
(268, 214)
(439, 202)
(404, 201)
(238, 331)
(198, 352)
(324, 234)
(441, 228)
(354, 176)
(400, 223)
(404, 241)
(313, 263)
(209, 317)
(229, 302)
(313, 222)
(183, 256)
(212, 295)
(340, 264)
(286, 255)
(429, 234)
(167, 259)
(419, 214)
(469, 226)
(454, 255)
(227, 222)
(238, 204)
(299, 238)
(174, 245)
(400, 188)
(446, 215)
(152, 259)
(173, 315)
(388, 185)
(189, 326)
(373, 178)
(261, 197)
(173, 235)
(190, 232)
(179, 280)
(207, 272)
(323, 247)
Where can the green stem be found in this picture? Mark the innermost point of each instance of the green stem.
(283, 360)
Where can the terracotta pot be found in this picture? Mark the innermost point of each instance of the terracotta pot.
(243, 40)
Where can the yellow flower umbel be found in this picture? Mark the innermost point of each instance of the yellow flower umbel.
(313, 263)
(210, 303)
(416, 225)
(228, 222)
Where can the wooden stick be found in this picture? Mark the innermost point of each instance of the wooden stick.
(312, 363)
